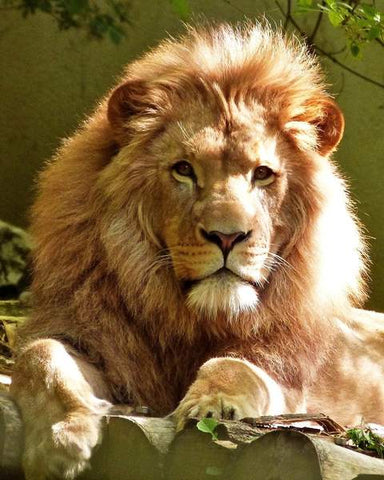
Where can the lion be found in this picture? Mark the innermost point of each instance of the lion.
(196, 252)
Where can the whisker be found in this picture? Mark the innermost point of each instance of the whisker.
(159, 262)
(280, 261)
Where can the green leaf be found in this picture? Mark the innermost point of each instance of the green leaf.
(120, 9)
(99, 18)
(46, 6)
(98, 26)
(355, 49)
(365, 439)
(335, 17)
(330, 3)
(370, 11)
(181, 8)
(76, 7)
(343, 6)
(115, 34)
(208, 425)
(373, 33)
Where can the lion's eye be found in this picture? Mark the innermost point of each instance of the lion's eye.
(184, 169)
(263, 175)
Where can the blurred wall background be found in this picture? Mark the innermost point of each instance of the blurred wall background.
(49, 81)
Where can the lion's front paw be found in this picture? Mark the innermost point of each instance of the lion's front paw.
(62, 449)
(231, 389)
(217, 405)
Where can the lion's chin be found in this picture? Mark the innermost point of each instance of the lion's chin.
(220, 293)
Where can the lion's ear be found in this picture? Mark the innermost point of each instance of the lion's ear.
(130, 99)
(330, 127)
(320, 127)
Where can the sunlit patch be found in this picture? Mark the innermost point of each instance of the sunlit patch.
(222, 293)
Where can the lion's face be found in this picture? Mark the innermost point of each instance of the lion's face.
(222, 191)
(221, 166)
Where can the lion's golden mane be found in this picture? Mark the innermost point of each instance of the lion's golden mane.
(102, 281)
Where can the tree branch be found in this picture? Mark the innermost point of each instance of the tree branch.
(235, 7)
(350, 70)
(326, 54)
(288, 14)
(317, 25)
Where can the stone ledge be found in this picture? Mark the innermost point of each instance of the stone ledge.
(144, 448)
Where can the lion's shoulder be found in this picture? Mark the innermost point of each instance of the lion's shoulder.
(367, 325)
(361, 333)
(352, 373)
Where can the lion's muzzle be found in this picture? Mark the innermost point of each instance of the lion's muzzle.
(225, 241)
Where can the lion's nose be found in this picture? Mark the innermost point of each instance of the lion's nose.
(226, 241)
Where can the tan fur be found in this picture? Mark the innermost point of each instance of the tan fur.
(127, 288)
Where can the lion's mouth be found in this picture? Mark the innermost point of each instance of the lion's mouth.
(187, 285)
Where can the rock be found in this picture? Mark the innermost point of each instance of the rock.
(15, 247)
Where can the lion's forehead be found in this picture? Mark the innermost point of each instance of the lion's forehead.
(241, 147)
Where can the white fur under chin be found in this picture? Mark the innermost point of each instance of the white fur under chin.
(222, 293)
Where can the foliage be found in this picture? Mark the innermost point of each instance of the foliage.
(364, 438)
(362, 22)
(351, 16)
(99, 18)
(208, 425)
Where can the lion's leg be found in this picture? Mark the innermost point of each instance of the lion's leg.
(58, 396)
(230, 388)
